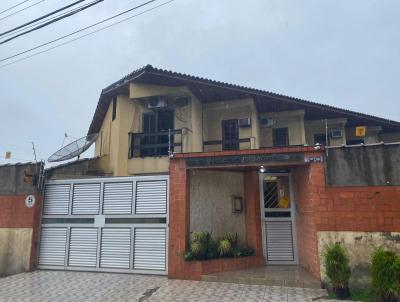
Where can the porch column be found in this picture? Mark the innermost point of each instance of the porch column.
(252, 210)
(179, 215)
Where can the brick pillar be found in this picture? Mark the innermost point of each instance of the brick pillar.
(179, 215)
(252, 210)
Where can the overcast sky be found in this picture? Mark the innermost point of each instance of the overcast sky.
(343, 53)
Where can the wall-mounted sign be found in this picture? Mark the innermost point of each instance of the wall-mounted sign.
(30, 201)
(361, 131)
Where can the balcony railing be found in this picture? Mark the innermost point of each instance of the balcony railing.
(160, 143)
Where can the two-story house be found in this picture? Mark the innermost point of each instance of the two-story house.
(183, 154)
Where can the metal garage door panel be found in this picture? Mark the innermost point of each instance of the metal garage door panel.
(86, 199)
(150, 248)
(115, 248)
(151, 197)
(52, 246)
(83, 247)
(118, 198)
(279, 241)
(56, 199)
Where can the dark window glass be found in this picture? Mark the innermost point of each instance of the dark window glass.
(154, 142)
(114, 108)
(230, 135)
(320, 138)
(280, 137)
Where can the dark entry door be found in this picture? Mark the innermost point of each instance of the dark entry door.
(230, 135)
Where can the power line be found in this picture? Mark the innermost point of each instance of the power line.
(53, 21)
(14, 6)
(85, 35)
(40, 18)
(25, 8)
(77, 31)
(39, 23)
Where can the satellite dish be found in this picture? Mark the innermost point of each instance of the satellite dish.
(73, 149)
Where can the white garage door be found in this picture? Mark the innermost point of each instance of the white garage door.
(105, 224)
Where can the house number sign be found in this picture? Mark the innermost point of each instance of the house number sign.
(30, 201)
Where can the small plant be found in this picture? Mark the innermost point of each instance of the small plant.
(338, 270)
(202, 247)
(227, 245)
(386, 275)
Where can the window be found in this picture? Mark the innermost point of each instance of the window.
(280, 137)
(320, 138)
(114, 108)
(153, 124)
(230, 135)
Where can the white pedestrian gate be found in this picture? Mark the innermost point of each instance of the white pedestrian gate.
(116, 224)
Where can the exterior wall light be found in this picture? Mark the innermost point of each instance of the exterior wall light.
(237, 204)
(262, 169)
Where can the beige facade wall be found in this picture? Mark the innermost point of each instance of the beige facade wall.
(15, 250)
(211, 195)
(359, 247)
(293, 120)
(113, 142)
(215, 113)
(313, 127)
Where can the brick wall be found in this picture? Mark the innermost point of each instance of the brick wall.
(307, 244)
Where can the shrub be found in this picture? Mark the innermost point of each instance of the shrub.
(338, 270)
(386, 274)
(202, 247)
(227, 245)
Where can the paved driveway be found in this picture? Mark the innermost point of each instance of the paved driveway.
(54, 286)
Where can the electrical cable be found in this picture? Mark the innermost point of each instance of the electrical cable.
(14, 6)
(21, 10)
(53, 21)
(85, 35)
(42, 17)
(77, 31)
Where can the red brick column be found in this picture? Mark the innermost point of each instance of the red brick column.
(252, 211)
(308, 181)
(179, 218)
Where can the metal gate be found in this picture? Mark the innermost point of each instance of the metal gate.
(116, 224)
(278, 219)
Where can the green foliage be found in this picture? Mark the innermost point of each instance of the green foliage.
(203, 247)
(386, 274)
(337, 266)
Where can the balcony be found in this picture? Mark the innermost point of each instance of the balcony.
(152, 144)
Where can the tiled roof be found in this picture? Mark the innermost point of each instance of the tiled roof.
(176, 76)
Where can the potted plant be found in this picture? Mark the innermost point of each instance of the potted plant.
(338, 270)
(386, 275)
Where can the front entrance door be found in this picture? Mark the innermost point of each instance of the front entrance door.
(278, 219)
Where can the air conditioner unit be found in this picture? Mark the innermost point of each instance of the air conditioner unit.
(244, 122)
(336, 133)
(156, 103)
(267, 122)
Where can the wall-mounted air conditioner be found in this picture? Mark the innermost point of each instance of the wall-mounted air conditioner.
(336, 133)
(244, 122)
(267, 122)
(156, 102)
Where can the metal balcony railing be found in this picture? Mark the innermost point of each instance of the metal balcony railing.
(160, 143)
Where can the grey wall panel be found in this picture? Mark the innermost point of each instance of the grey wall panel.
(279, 241)
(118, 198)
(86, 199)
(151, 197)
(52, 246)
(115, 251)
(150, 248)
(83, 247)
(56, 199)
